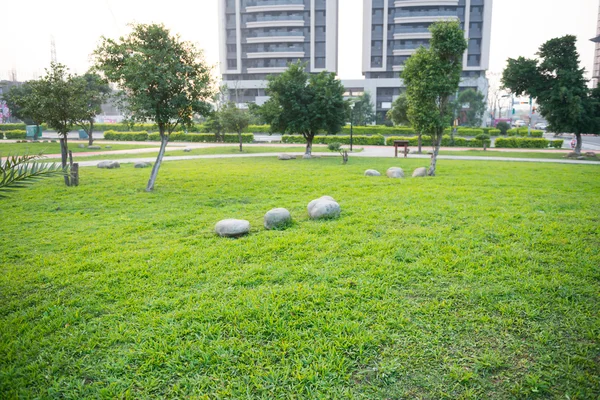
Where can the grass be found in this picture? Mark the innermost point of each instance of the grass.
(54, 148)
(479, 283)
(510, 154)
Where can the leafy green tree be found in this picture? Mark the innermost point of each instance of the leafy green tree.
(164, 80)
(432, 77)
(61, 94)
(25, 103)
(558, 83)
(97, 92)
(18, 171)
(398, 114)
(304, 103)
(474, 100)
(364, 110)
(503, 127)
(234, 120)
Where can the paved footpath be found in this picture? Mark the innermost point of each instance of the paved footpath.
(365, 153)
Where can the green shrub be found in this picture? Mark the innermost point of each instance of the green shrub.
(379, 130)
(126, 136)
(503, 127)
(203, 137)
(557, 144)
(12, 127)
(375, 140)
(523, 132)
(494, 132)
(522, 143)
(259, 128)
(412, 140)
(16, 134)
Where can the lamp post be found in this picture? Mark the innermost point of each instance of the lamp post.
(351, 123)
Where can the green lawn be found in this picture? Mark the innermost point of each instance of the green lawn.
(480, 283)
(54, 148)
(510, 154)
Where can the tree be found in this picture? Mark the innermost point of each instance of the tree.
(305, 104)
(364, 110)
(164, 80)
(19, 171)
(213, 122)
(398, 114)
(97, 92)
(60, 95)
(25, 103)
(476, 106)
(558, 84)
(234, 120)
(432, 77)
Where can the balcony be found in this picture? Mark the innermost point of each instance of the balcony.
(269, 21)
(276, 37)
(407, 17)
(267, 70)
(275, 5)
(411, 33)
(421, 3)
(276, 54)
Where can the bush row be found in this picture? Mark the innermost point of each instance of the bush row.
(126, 136)
(375, 140)
(15, 134)
(446, 141)
(204, 137)
(523, 132)
(523, 143)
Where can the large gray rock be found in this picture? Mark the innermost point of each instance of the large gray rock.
(142, 164)
(325, 209)
(372, 172)
(314, 202)
(286, 157)
(232, 227)
(108, 147)
(94, 147)
(277, 218)
(81, 146)
(188, 150)
(109, 164)
(395, 172)
(420, 172)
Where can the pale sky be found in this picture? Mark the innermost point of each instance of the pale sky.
(519, 27)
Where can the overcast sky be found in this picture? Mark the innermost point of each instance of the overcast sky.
(519, 27)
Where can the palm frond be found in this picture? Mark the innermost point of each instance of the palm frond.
(19, 171)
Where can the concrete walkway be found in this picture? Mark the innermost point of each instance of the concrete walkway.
(362, 154)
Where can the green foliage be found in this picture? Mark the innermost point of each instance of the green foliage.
(204, 137)
(335, 147)
(504, 127)
(446, 141)
(89, 105)
(398, 114)
(126, 136)
(475, 102)
(12, 127)
(375, 140)
(523, 132)
(16, 134)
(493, 132)
(305, 103)
(232, 119)
(465, 131)
(489, 292)
(364, 110)
(432, 76)
(18, 171)
(26, 102)
(558, 84)
(557, 144)
(522, 143)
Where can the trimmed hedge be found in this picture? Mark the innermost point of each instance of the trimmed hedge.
(522, 132)
(374, 140)
(522, 143)
(143, 127)
(16, 134)
(557, 144)
(204, 137)
(126, 136)
(12, 127)
(446, 141)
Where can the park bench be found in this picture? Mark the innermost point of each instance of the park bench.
(401, 143)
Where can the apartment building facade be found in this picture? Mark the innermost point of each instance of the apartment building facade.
(259, 38)
(395, 29)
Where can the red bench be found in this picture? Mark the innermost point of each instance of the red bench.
(401, 143)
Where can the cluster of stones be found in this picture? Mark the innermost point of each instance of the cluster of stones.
(397, 173)
(109, 164)
(279, 218)
(589, 154)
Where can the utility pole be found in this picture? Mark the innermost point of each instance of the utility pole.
(530, 115)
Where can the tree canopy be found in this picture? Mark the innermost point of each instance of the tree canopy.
(163, 78)
(25, 103)
(432, 77)
(364, 110)
(475, 107)
(398, 114)
(233, 119)
(305, 103)
(556, 80)
(89, 105)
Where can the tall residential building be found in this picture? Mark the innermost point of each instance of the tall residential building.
(261, 37)
(596, 73)
(395, 29)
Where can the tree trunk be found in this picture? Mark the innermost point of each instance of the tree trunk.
(240, 137)
(90, 134)
(309, 142)
(63, 157)
(436, 151)
(164, 139)
(579, 144)
(420, 142)
(37, 129)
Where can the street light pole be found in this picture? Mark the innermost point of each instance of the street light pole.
(351, 123)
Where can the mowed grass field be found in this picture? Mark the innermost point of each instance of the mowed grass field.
(482, 282)
(7, 149)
